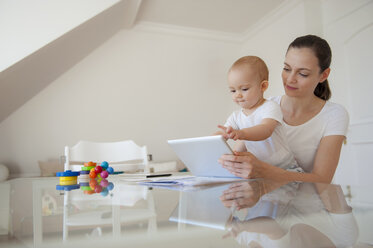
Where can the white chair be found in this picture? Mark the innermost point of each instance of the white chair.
(119, 155)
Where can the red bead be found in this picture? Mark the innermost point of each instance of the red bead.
(98, 189)
(98, 169)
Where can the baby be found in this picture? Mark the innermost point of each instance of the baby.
(259, 121)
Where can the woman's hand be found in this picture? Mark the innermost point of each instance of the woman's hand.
(244, 165)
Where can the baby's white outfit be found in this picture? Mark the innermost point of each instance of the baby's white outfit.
(273, 150)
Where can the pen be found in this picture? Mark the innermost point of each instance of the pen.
(159, 175)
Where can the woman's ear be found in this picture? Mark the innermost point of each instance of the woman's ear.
(264, 85)
(324, 75)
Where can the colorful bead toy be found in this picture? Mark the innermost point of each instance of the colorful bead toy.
(98, 171)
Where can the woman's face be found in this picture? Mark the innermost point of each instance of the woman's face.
(301, 72)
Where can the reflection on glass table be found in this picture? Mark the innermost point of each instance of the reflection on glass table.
(268, 214)
(252, 213)
(97, 210)
(202, 208)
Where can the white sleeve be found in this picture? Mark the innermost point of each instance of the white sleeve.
(272, 111)
(232, 121)
(338, 121)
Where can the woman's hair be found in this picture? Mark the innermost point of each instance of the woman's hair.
(323, 54)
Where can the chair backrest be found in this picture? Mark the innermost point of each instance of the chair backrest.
(112, 152)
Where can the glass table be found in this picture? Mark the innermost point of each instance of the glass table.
(117, 213)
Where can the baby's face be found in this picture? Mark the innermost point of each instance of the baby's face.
(245, 87)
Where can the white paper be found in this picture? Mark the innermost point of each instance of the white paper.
(187, 181)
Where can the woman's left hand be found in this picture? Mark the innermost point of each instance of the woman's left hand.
(243, 164)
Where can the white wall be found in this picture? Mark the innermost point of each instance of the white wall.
(145, 86)
(270, 38)
(348, 26)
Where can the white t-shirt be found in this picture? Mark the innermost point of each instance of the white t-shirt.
(273, 150)
(304, 139)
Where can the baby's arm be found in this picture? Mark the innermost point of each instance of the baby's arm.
(259, 132)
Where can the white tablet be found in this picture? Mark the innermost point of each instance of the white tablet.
(200, 155)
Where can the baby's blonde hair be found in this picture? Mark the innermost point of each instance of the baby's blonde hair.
(253, 62)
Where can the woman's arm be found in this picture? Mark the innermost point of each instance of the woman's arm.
(246, 165)
(327, 157)
(333, 198)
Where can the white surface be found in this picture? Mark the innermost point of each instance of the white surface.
(112, 152)
(4, 172)
(200, 155)
(26, 26)
(165, 166)
(143, 86)
(348, 28)
(201, 214)
(4, 208)
(219, 15)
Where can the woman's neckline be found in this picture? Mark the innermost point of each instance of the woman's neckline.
(309, 120)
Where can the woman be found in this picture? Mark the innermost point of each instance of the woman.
(316, 128)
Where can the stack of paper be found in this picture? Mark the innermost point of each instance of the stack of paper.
(187, 182)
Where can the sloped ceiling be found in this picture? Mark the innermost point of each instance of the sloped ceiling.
(23, 79)
(231, 16)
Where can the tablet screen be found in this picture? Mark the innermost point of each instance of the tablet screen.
(200, 155)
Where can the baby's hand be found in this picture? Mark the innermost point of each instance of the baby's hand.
(223, 133)
(230, 133)
(233, 133)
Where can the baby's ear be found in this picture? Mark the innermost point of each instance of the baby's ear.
(264, 85)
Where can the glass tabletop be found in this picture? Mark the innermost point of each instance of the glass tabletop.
(117, 213)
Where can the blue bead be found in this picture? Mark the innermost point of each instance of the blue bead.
(104, 165)
(104, 192)
(110, 170)
(110, 186)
